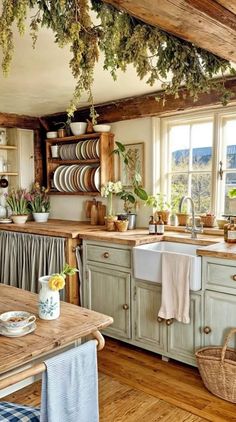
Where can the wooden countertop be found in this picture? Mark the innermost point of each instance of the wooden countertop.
(84, 230)
(53, 227)
(219, 250)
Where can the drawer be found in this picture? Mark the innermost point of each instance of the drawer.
(220, 276)
(113, 256)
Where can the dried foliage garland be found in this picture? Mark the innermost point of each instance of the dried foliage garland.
(123, 39)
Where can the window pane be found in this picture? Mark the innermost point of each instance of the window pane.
(201, 140)
(230, 142)
(230, 204)
(179, 147)
(201, 192)
(179, 188)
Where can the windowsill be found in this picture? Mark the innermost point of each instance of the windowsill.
(206, 230)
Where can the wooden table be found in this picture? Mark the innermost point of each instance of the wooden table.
(74, 323)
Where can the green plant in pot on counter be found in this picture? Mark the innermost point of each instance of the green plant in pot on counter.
(17, 201)
(160, 205)
(39, 203)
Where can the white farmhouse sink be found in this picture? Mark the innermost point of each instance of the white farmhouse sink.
(147, 261)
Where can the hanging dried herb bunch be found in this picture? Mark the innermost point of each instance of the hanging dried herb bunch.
(123, 39)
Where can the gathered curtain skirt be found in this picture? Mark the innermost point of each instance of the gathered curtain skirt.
(26, 257)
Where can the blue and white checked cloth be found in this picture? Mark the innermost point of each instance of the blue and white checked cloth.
(12, 412)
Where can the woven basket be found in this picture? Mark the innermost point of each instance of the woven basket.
(217, 367)
(208, 220)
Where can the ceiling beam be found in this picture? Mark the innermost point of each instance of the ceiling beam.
(15, 120)
(145, 106)
(205, 23)
(228, 4)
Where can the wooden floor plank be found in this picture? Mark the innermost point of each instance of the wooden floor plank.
(137, 386)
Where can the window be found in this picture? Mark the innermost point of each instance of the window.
(194, 149)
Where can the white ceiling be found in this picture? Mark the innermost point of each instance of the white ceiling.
(40, 81)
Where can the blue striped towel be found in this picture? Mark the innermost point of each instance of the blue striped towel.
(70, 386)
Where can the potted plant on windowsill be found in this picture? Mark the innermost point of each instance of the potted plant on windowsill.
(17, 201)
(39, 203)
(160, 205)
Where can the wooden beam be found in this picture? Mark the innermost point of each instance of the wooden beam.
(20, 121)
(146, 106)
(206, 23)
(228, 4)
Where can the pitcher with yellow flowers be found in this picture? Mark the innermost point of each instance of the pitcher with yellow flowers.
(49, 297)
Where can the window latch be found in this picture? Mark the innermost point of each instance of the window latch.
(221, 170)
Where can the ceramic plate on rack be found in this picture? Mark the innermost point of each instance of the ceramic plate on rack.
(56, 178)
(97, 178)
(26, 330)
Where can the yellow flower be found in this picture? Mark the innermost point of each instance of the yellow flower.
(56, 282)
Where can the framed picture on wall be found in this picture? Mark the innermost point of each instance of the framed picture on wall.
(136, 154)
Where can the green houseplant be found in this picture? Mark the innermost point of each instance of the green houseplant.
(123, 40)
(160, 205)
(131, 196)
(17, 201)
(39, 203)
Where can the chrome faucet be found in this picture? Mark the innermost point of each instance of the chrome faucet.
(193, 229)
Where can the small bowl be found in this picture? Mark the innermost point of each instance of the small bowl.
(101, 128)
(16, 320)
(221, 222)
(78, 128)
(51, 135)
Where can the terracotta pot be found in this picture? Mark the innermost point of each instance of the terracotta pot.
(121, 225)
(164, 215)
(61, 133)
(183, 218)
(110, 222)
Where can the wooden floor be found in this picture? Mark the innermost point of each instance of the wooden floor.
(137, 386)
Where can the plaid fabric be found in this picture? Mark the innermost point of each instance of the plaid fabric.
(11, 412)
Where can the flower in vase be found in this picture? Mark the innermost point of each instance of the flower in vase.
(57, 281)
(108, 190)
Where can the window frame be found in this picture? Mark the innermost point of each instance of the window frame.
(218, 118)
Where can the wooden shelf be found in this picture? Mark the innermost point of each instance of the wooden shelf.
(53, 192)
(60, 161)
(7, 173)
(75, 138)
(105, 160)
(8, 147)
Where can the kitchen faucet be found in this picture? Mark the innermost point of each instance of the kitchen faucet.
(193, 229)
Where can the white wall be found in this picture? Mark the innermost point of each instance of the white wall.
(128, 131)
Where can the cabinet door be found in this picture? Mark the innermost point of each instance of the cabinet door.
(185, 339)
(220, 317)
(109, 293)
(148, 331)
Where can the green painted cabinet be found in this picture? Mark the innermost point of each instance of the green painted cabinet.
(178, 341)
(148, 332)
(106, 284)
(185, 339)
(220, 317)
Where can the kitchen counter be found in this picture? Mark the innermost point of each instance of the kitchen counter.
(219, 250)
(84, 230)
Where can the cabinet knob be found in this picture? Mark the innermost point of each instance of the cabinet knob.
(159, 319)
(169, 321)
(106, 254)
(234, 277)
(125, 307)
(207, 330)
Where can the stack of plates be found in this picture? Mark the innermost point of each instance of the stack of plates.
(77, 178)
(83, 150)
